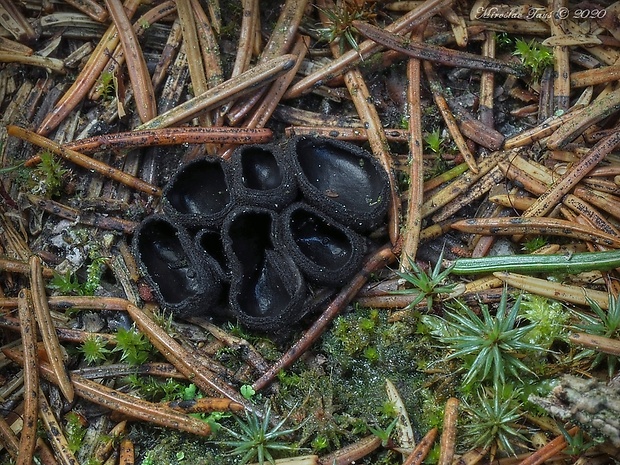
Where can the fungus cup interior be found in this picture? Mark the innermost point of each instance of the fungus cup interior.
(200, 189)
(260, 169)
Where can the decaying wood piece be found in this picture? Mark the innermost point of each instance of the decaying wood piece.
(592, 404)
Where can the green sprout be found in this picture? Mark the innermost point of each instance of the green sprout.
(74, 431)
(256, 440)
(68, 283)
(135, 348)
(534, 244)
(47, 178)
(491, 346)
(425, 286)
(602, 323)
(577, 445)
(492, 421)
(107, 86)
(384, 433)
(94, 349)
(534, 56)
(434, 141)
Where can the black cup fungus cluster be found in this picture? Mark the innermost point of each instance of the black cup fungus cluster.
(255, 237)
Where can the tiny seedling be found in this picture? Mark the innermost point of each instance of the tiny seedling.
(492, 347)
(425, 286)
(492, 421)
(47, 178)
(341, 23)
(534, 56)
(434, 141)
(94, 350)
(134, 347)
(257, 440)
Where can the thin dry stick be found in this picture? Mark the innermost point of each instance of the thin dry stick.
(183, 360)
(378, 260)
(143, 92)
(28, 329)
(549, 450)
(192, 48)
(209, 46)
(344, 133)
(537, 225)
(18, 266)
(573, 294)
(247, 31)
(547, 201)
(9, 439)
(77, 216)
(87, 77)
(420, 452)
(436, 53)
(205, 405)
(598, 343)
(167, 136)
(47, 328)
(447, 442)
(592, 77)
(233, 88)
(351, 58)
(84, 161)
(594, 217)
(247, 41)
(55, 433)
(168, 54)
(413, 225)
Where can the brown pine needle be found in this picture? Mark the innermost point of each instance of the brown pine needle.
(143, 92)
(183, 360)
(537, 226)
(28, 329)
(422, 449)
(54, 433)
(48, 330)
(448, 436)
